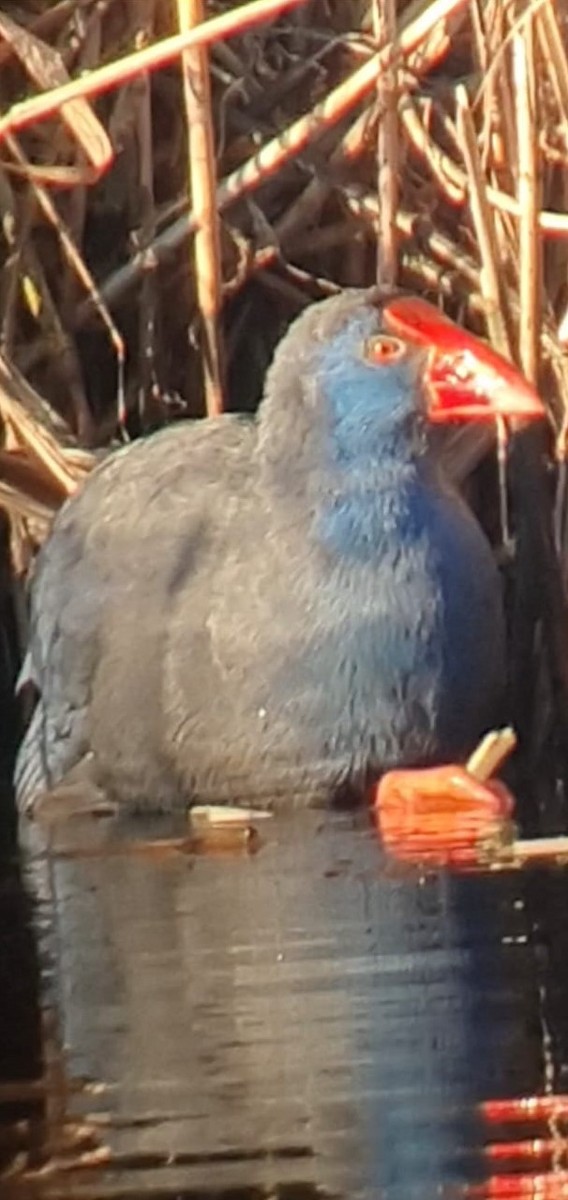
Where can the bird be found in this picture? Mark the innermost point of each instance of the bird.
(277, 608)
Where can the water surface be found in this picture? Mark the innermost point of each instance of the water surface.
(306, 1021)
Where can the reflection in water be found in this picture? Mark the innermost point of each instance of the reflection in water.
(21, 1103)
(293, 1024)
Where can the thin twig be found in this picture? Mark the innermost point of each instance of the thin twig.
(451, 180)
(490, 277)
(384, 28)
(74, 258)
(484, 226)
(202, 186)
(527, 195)
(554, 55)
(365, 205)
(138, 102)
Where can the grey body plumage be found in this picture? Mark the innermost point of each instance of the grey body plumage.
(267, 608)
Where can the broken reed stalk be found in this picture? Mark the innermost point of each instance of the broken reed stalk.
(384, 29)
(490, 754)
(485, 761)
(202, 187)
(536, 850)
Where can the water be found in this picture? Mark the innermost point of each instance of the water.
(303, 1022)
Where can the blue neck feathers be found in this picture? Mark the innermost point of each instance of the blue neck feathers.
(373, 411)
(336, 425)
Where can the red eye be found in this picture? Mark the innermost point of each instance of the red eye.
(384, 350)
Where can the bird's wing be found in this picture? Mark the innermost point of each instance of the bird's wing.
(97, 590)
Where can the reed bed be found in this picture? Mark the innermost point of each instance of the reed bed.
(172, 172)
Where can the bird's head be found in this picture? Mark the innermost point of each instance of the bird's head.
(360, 369)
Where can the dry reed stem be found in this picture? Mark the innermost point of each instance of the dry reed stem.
(337, 104)
(453, 181)
(450, 178)
(287, 145)
(411, 227)
(553, 53)
(351, 146)
(37, 441)
(38, 444)
(489, 280)
(482, 217)
(74, 258)
(23, 490)
(45, 67)
(527, 195)
(147, 386)
(554, 56)
(303, 209)
(526, 850)
(202, 187)
(245, 17)
(279, 151)
(41, 297)
(490, 754)
(486, 760)
(76, 207)
(384, 29)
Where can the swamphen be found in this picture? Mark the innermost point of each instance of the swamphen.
(283, 607)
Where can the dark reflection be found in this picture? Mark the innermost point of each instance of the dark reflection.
(547, 913)
(298, 1023)
(21, 1101)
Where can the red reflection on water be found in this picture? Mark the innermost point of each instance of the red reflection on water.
(548, 1180)
(528, 1108)
(521, 1187)
(544, 1152)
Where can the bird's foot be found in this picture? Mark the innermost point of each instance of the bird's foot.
(442, 816)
